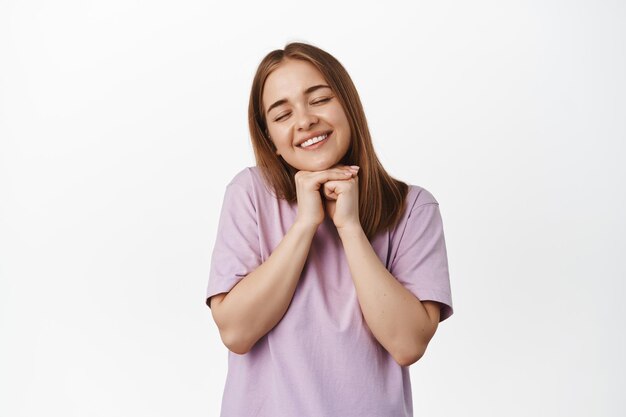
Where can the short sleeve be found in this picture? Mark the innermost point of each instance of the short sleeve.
(421, 261)
(236, 252)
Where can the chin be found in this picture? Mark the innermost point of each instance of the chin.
(310, 166)
(323, 162)
(320, 167)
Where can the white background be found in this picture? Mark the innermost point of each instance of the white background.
(122, 121)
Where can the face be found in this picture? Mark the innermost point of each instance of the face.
(299, 105)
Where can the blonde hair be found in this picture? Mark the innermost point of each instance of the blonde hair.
(381, 197)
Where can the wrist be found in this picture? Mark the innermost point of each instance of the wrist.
(352, 230)
(305, 227)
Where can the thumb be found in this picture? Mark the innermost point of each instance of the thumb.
(329, 190)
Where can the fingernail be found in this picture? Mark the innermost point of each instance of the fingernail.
(354, 167)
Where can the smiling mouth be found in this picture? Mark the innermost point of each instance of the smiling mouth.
(315, 142)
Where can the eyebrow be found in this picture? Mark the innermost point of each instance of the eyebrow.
(307, 91)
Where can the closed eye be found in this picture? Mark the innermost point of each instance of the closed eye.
(321, 101)
(282, 117)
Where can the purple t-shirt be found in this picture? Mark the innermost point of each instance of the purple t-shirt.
(321, 359)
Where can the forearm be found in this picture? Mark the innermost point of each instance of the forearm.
(397, 319)
(259, 301)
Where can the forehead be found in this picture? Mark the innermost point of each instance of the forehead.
(290, 79)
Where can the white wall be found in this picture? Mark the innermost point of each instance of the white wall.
(122, 121)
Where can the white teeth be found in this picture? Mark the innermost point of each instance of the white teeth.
(313, 140)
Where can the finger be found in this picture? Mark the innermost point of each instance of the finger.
(332, 189)
(329, 190)
(334, 174)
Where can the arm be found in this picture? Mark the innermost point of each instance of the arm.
(259, 301)
(401, 323)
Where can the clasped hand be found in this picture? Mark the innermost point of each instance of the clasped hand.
(340, 187)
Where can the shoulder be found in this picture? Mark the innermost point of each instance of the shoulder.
(418, 196)
(245, 177)
(417, 199)
(251, 182)
(249, 178)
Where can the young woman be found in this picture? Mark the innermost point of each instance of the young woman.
(328, 276)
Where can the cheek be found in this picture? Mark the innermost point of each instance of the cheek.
(342, 123)
(339, 118)
(279, 137)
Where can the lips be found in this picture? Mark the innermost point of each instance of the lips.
(317, 144)
(313, 135)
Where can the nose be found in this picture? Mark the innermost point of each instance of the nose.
(306, 119)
